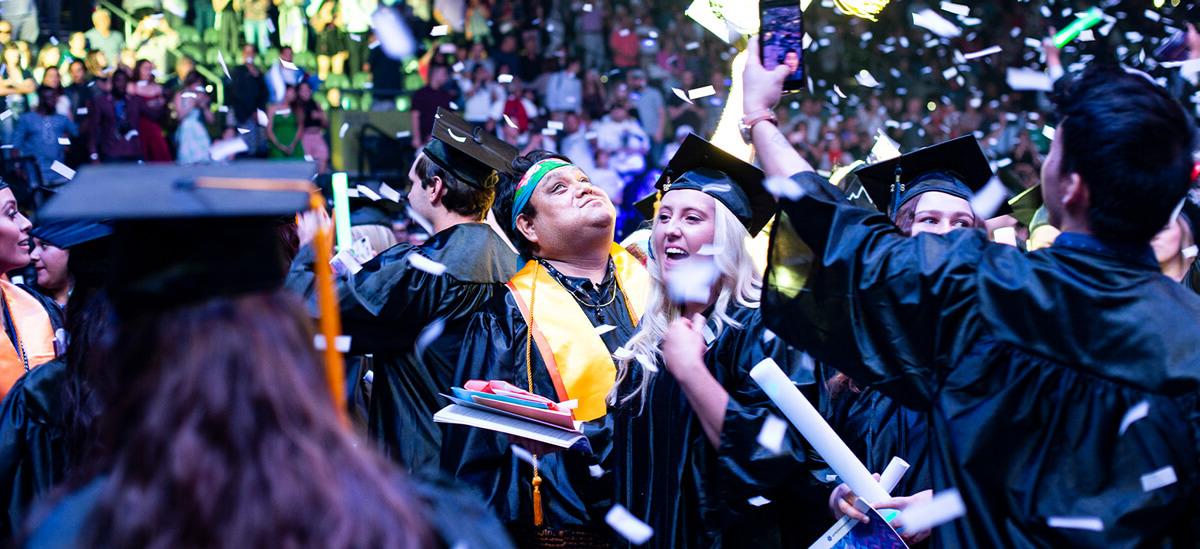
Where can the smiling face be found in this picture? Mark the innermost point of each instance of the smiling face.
(14, 233)
(686, 221)
(940, 213)
(569, 210)
(51, 264)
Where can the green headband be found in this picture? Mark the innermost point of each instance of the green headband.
(534, 175)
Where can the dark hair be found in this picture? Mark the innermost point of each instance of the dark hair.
(137, 69)
(906, 215)
(47, 98)
(460, 198)
(1131, 144)
(224, 434)
(504, 197)
(90, 323)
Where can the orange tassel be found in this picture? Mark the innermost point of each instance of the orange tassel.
(537, 500)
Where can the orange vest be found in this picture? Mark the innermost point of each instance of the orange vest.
(577, 360)
(33, 328)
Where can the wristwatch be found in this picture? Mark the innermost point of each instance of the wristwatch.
(751, 119)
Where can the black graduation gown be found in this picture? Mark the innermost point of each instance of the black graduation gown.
(386, 306)
(455, 515)
(33, 446)
(1031, 369)
(877, 428)
(494, 349)
(668, 475)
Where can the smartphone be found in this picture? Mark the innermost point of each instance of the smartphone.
(781, 39)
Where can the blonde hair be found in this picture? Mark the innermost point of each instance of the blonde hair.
(739, 282)
(379, 237)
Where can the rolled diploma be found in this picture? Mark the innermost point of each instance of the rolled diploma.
(816, 431)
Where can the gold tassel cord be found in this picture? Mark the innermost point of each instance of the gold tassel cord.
(538, 519)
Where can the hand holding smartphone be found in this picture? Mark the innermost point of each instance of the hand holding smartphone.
(781, 40)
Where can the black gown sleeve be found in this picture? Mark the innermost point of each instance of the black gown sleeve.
(846, 285)
(33, 455)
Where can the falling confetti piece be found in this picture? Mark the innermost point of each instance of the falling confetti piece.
(389, 193)
(604, 329)
(342, 343)
(522, 454)
(429, 335)
(758, 501)
(783, 188)
(865, 78)
(691, 46)
(681, 94)
(1136, 412)
(510, 123)
(262, 118)
(710, 249)
(394, 36)
(932, 22)
(243, 131)
(596, 471)
(1005, 235)
(1074, 523)
(64, 141)
(839, 91)
(227, 148)
(1025, 79)
(422, 263)
(224, 67)
(691, 281)
(701, 92)
(504, 78)
(772, 433)
(945, 506)
(1158, 479)
(366, 191)
(342, 130)
(988, 200)
(646, 363)
(440, 30)
(982, 53)
(622, 354)
(554, 125)
(957, 9)
(630, 528)
(62, 169)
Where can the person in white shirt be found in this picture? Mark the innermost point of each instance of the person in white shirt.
(564, 90)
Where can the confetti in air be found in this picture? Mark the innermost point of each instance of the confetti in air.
(1136, 412)
(946, 505)
(630, 528)
(772, 433)
(62, 169)
(422, 263)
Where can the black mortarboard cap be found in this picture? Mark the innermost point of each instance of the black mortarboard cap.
(468, 152)
(365, 210)
(68, 234)
(1025, 205)
(702, 166)
(186, 234)
(957, 167)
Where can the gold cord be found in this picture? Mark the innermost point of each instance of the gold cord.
(537, 479)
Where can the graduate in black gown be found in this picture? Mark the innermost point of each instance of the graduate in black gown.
(409, 305)
(686, 459)
(584, 294)
(44, 418)
(936, 187)
(1060, 386)
(220, 428)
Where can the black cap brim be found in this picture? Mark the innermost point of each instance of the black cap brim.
(68, 234)
(703, 166)
(167, 191)
(468, 152)
(960, 158)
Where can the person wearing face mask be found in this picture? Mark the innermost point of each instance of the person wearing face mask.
(583, 294)
(1175, 246)
(686, 416)
(29, 326)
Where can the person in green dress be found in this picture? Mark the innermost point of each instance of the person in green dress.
(283, 128)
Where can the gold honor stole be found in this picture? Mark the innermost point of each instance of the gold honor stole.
(577, 360)
(32, 324)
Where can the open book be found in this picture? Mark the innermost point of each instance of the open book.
(515, 413)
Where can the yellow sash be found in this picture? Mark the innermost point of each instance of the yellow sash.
(33, 328)
(576, 358)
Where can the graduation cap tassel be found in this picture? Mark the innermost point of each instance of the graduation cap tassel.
(897, 192)
(330, 321)
(537, 478)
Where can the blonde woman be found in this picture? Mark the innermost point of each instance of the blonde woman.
(686, 415)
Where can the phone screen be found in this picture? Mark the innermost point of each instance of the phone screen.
(781, 39)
